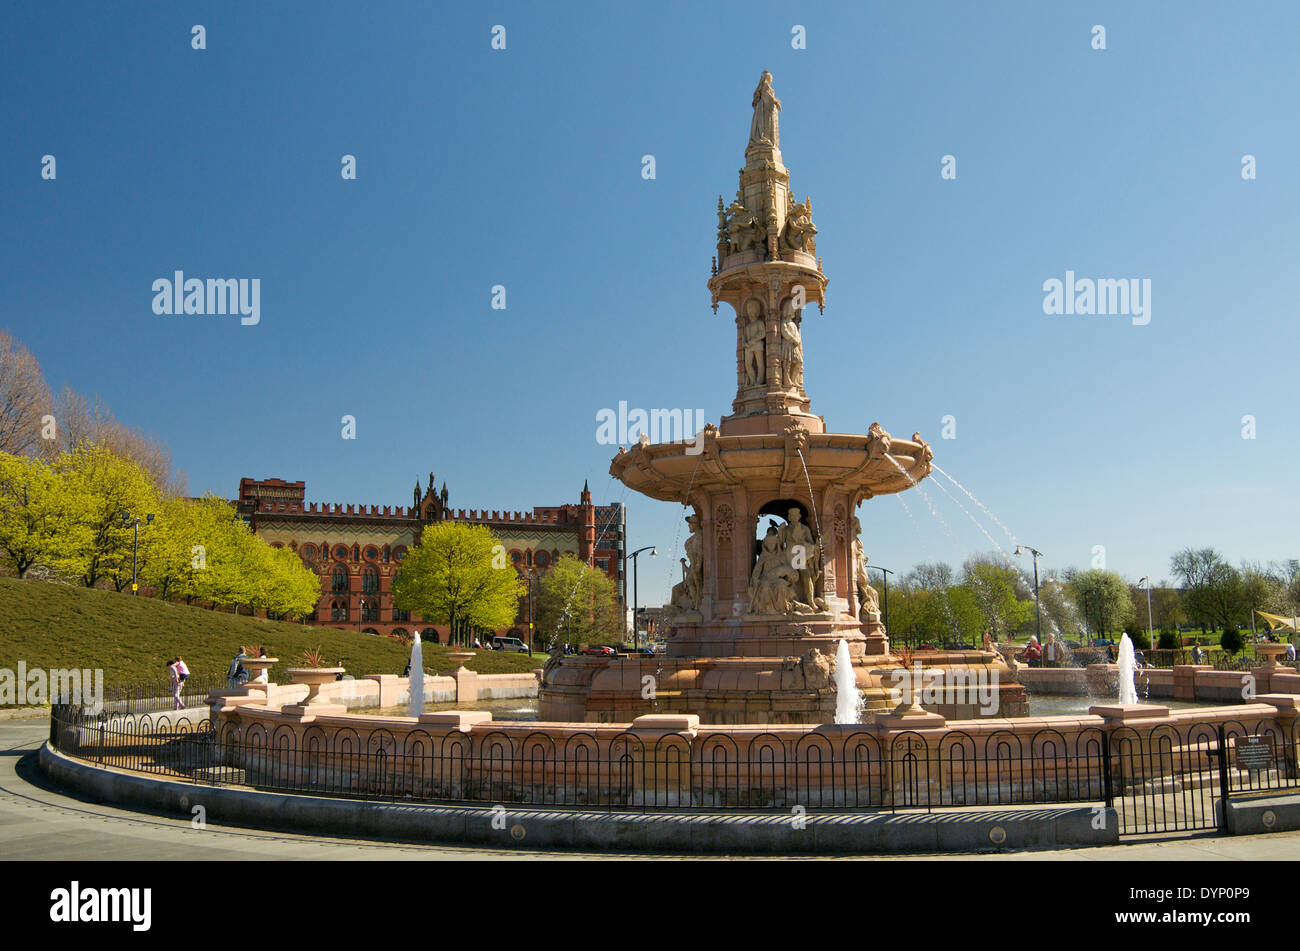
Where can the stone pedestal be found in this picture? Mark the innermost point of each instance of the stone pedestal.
(309, 711)
(456, 720)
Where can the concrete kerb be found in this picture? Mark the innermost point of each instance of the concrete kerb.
(1263, 814)
(595, 830)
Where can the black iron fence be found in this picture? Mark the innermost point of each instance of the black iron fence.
(1158, 780)
(154, 696)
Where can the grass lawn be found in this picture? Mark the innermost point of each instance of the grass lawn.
(131, 639)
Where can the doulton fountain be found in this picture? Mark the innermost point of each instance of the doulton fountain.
(775, 575)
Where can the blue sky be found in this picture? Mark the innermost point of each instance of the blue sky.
(522, 168)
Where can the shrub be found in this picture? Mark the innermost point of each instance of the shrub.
(1169, 640)
(1141, 640)
(1232, 641)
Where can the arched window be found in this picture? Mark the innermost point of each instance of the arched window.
(356, 552)
(401, 615)
(370, 610)
(370, 580)
(339, 580)
(339, 611)
(371, 553)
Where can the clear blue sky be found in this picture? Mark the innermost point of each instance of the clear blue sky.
(523, 168)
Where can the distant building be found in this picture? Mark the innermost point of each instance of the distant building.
(358, 549)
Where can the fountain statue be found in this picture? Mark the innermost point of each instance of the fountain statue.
(775, 585)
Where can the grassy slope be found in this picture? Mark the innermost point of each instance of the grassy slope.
(50, 626)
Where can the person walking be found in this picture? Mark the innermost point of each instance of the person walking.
(175, 675)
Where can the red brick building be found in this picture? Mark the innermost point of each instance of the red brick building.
(357, 549)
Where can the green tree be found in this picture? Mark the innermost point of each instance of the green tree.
(29, 512)
(1103, 597)
(993, 588)
(294, 589)
(577, 604)
(1213, 592)
(1231, 641)
(460, 576)
(98, 488)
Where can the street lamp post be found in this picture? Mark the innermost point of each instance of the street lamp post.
(531, 577)
(636, 601)
(884, 577)
(1151, 631)
(128, 519)
(1038, 610)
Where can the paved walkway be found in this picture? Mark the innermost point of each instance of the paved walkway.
(38, 821)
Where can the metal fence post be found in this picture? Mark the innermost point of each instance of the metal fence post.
(1224, 784)
(1107, 781)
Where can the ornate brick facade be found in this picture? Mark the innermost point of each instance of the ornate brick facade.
(358, 549)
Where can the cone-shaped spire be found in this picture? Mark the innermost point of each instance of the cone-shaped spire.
(767, 269)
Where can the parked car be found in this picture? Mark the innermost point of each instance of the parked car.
(601, 650)
(509, 644)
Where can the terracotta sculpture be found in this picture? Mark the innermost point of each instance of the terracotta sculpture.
(796, 535)
(772, 583)
(791, 345)
(765, 127)
(799, 229)
(868, 598)
(755, 345)
(743, 230)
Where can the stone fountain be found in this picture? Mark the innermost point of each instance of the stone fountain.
(775, 575)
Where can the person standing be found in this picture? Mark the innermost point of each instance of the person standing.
(237, 676)
(1033, 652)
(1053, 654)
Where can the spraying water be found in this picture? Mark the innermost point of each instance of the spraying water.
(1127, 667)
(417, 678)
(848, 699)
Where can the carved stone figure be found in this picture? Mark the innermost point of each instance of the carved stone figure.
(744, 233)
(765, 127)
(686, 594)
(695, 569)
(799, 229)
(791, 345)
(755, 334)
(868, 598)
(818, 670)
(804, 553)
(772, 583)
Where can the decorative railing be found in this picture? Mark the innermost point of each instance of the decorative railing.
(1168, 777)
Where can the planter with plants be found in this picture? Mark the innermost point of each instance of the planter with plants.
(314, 674)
